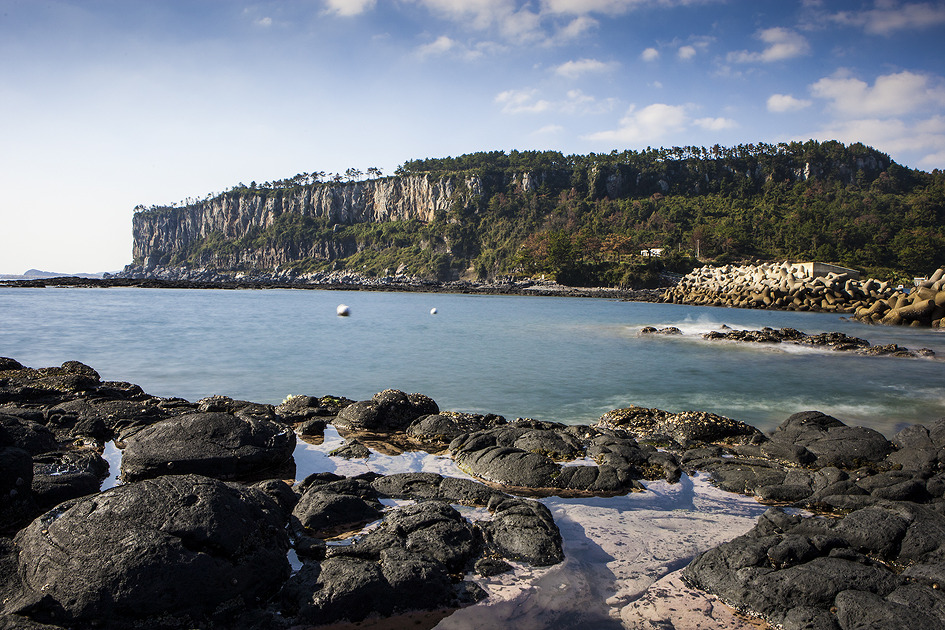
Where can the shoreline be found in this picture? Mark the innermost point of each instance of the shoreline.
(534, 288)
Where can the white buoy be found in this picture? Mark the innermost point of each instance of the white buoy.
(433, 311)
(343, 310)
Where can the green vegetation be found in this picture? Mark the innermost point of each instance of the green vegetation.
(585, 219)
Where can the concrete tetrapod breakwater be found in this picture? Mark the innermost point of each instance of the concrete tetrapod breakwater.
(922, 306)
(782, 286)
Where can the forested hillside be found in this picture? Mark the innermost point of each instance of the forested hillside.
(585, 219)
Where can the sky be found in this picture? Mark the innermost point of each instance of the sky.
(107, 104)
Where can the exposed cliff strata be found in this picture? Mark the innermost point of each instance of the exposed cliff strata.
(490, 215)
(161, 233)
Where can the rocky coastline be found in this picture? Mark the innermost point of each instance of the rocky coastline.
(833, 341)
(211, 528)
(337, 282)
(775, 286)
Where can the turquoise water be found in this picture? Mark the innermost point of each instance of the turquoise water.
(564, 359)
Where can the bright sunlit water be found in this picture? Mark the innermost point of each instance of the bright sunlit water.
(551, 358)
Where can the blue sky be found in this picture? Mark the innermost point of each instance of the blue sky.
(106, 104)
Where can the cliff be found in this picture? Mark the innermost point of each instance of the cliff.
(580, 219)
(167, 235)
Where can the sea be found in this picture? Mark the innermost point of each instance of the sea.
(545, 357)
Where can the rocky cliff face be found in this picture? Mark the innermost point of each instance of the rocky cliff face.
(160, 233)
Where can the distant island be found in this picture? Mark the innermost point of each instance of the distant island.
(620, 219)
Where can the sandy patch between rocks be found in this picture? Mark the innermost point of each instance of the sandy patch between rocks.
(622, 561)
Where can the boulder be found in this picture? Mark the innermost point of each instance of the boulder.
(389, 410)
(352, 589)
(791, 568)
(831, 442)
(523, 455)
(524, 531)
(424, 486)
(402, 565)
(685, 427)
(326, 510)
(176, 546)
(444, 427)
(216, 444)
(46, 385)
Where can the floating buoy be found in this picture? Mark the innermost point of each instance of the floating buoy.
(433, 311)
(343, 310)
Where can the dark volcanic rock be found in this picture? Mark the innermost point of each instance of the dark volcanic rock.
(523, 454)
(46, 385)
(403, 564)
(830, 442)
(423, 486)
(389, 410)
(353, 588)
(745, 476)
(177, 545)
(524, 531)
(64, 475)
(32, 437)
(101, 419)
(336, 507)
(215, 444)
(16, 477)
(352, 449)
(295, 409)
(651, 330)
(412, 559)
(790, 568)
(832, 340)
(685, 427)
(444, 427)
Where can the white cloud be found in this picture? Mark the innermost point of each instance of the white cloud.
(650, 124)
(347, 8)
(892, 94)
(577, 102)
(574, 69)
(520, 25)
(933, 160)
(715, 124)
(574, 102)
(780, 103)
(888, 17)
(610, 7)
(650, 54)
(782, 43)
(548, 130)
(264, 22)
(522, 102)
(891, 135)
(439, 46)
(577, 27)
(686, 52)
